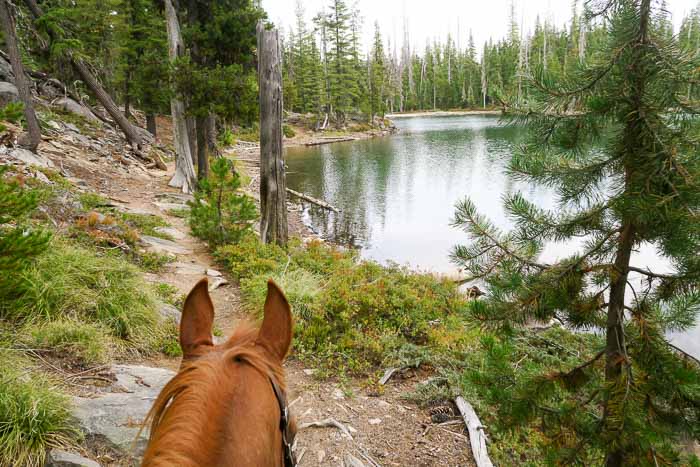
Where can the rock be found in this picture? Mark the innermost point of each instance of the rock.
(320, 455)
(171, 231)
(69, 105)
(160, 245)
(54, 125)
(169, 312)
(338, 394)
(71, 127)
(217, 282)
(188, 269)
(59, 458)
(213, 273)
(174, 206)
(6, 73)
(30, 158)
(374, 421)
(116, 417)
(352, 461)
(8, 93)
(309, 371)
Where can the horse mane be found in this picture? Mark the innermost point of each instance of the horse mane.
(201, 383)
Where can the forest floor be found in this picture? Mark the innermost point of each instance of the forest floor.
(386, 428)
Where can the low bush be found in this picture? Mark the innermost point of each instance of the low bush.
(34, 413)
(87, 342)
(226, 138)
(220, 214)
(288, 131)
(349, 314)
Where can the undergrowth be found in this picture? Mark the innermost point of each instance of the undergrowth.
(351, 315)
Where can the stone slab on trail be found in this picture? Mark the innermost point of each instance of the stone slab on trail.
(60, 458)
(115, 417)
(160, 245)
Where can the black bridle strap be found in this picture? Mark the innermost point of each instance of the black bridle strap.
(287, 437)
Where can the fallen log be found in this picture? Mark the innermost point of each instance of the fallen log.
(329, 141)
(313, 200)
(477, 437)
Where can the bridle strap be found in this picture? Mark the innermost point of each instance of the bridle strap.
(287, 436)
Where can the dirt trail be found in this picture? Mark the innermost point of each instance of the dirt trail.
(386, 429)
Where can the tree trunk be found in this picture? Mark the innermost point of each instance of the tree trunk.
(130, 131)
(202, 152)
(184, 169)
(212, 136)
(273, 193)
(192, 137)
(8, 28)
(151, 125)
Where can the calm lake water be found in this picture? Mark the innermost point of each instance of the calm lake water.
(397, 194)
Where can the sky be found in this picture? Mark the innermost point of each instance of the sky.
(433, 19)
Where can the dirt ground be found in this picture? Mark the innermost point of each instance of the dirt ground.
(386, 429)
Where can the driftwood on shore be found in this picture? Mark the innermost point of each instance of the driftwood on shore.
(477, 437)
(329, 140)
(313, 200)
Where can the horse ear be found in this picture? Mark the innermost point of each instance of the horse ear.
(197, 319)
(276, 330)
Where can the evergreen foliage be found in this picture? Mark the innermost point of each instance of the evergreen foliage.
(219, 214)
(20, 243)
(617, 139)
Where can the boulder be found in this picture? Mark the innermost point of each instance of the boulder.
(69, 105)
(8, 93)
(116, 417)
(60, 458)
(169, 312)
(6, 73)
(30, 158)
(160, 245)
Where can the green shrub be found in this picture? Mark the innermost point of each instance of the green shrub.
(70, 280)
(12, 112)
(87, 342)
(34, 413)
(251, 134)
(220, 214)
(288, 131)
(349, 314)
(251, 257)
(226, 138)
(144, 223)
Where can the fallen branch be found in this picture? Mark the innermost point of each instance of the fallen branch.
(327, 423)
(387, 375)
(313, 200)
(330, 140)
(477, 437)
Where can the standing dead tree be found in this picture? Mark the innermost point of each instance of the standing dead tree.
(8, 28)
(184, 168)
(273, 193)
(132, 133)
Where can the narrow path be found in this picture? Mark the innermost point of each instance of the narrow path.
(386, 430)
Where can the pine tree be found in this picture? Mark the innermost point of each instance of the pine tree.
(618, 141)
(377, 76)
(343, 88)
(19, 242)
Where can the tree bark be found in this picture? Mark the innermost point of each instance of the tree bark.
(192, 137)
(130, 131)
(212, 136)
(151, 124)
(273, 193)
(184, 169)
(8, 28)
(202, 149)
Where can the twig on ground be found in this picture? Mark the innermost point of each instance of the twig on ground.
(327, 423)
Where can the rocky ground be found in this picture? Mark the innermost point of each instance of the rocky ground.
(111, 404)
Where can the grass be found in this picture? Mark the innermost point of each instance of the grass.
(88, 342)
(34, 413)
(350, 315)
(72, 281)
(180, 213)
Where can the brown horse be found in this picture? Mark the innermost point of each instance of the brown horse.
(227, 405)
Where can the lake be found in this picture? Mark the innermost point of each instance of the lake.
(397, 194)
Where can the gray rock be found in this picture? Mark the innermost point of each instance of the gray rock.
(6, 73)
(71, 127)
(188, 269)
(213, 273)
(116, 417)
(174, 206)
(216, 282)
(8, 93)
(69, 105)
(160, 245)
(168, 311)
(59, 458)
(30, 158)
(173, 232)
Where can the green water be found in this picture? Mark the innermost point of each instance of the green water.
(397, 194)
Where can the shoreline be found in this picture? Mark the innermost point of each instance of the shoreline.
(443, 113)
